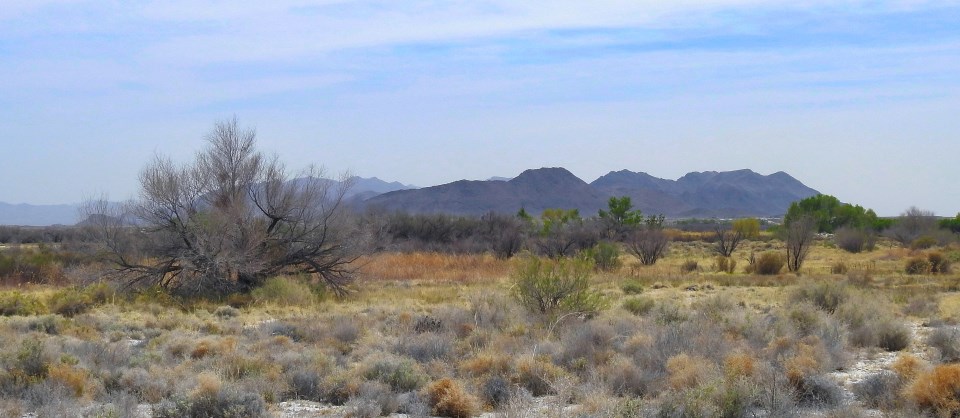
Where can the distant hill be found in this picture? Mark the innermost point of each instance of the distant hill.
(534, 190)
(697, 194)
(708, 193)
(38, 215)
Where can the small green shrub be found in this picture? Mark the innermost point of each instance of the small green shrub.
(69, 302)
(17, 303)
(638, 305)
(632, 287)
(605, 255)
(285, 291)
(557, 287)
(403, 375)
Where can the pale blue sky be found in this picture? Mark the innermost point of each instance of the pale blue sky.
(856, 99)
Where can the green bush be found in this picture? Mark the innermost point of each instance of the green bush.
(403, 375)
(557, 287)
(69, 302)
(17, 303)
(605, 255)
(632, 287)
(285, 291)
(638, 305)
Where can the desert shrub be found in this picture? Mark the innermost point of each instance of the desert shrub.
(557, 287)
(923, 242)
(818, 391)
(426, 347)
(402, 375)
(908, 367)
(893, 335)
(875, 391)
(585, 344)
(285, 291)
(917, 265)
(226, 311)
(222, 403)
(688, 371)
(605, 255)
(826, 295)
(854, 240)
(374, 399)
(305, 384)
(715, 399)
(632, 287)
(937, 390)
(669, 312)
(18, 303)
(449, 399)
(31, 362)
(69, 302)
(536, 374)
(938, 263)
(768, 263)
(839, 268)
(947, 341)
(638, 305)
(689, 266)
(725, 264)
(922, 305)
(496, 391)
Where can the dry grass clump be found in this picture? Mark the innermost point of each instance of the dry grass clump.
(768, 263)
(286, 291)
(449, 399)
(433, 267)
(827, 295)
(938, 390)
(908, 367)
(689, 371)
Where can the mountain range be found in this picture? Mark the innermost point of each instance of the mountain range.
(696, 194)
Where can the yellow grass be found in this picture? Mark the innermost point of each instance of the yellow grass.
(434, 267)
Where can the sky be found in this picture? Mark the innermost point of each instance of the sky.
(857, 99)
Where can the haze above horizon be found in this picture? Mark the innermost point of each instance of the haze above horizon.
(855, 99)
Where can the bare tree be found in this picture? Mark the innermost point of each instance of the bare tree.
(799, 240)
(913, 224)
(727, 240)
(228, 221)
(648, 243)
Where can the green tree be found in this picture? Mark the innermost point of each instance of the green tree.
(749, 228)
(620, 217)
(828, 214)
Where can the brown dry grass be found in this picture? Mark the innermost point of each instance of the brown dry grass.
(938, 390)
(436, 267)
